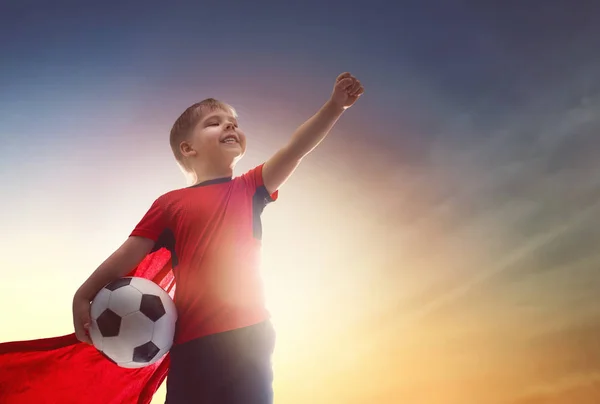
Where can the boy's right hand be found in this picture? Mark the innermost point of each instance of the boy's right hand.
(82, 319)
(119, 264)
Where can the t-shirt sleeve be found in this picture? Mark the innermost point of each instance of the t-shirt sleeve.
(152, 224)
(253, 180)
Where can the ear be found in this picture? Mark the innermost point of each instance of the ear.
(186, 149)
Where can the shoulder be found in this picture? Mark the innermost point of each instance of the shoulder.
(167, 199)
(183, 192)
(251, 177)
(248, 181)
(253, 183)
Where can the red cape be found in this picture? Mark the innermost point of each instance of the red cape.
(66, 371)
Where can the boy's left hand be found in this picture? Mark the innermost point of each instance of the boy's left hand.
(346, 91)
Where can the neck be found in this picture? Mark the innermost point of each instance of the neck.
(201, 174)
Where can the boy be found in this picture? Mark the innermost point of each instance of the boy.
(224, 339)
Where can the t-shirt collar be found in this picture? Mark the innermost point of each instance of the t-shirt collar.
(212, 182)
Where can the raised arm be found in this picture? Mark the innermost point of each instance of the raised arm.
(306, 138)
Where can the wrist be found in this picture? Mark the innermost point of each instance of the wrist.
(334, 107)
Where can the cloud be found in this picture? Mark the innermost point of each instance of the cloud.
(575, 389)
(525, 186)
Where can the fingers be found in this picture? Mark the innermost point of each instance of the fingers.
(347, 89)
(342, 76)
(356, 89)
(87, 337)
(82, 332)
(82, 336)
(345, 83)
(349, 84)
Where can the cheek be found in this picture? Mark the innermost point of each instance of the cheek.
(209, 137)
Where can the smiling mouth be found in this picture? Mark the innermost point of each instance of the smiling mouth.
(230, 139)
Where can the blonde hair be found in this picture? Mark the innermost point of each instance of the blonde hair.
(187, 121)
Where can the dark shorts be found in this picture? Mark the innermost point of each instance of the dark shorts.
(226, 368)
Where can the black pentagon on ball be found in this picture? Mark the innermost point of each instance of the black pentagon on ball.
(145, 353)
(152, 307)
(118, 283)
(109, 323)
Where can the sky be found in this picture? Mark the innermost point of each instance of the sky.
(439, 247)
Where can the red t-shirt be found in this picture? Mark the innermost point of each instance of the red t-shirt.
(213, 231)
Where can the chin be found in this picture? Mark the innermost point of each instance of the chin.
(233, 157)
(235, 151)
(232, 154)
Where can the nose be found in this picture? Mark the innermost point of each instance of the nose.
(229, 125)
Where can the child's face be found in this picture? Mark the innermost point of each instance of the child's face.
(218, 138)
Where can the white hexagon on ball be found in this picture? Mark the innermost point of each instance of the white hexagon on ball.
(133, 322)
(100, 303)
(125, 300)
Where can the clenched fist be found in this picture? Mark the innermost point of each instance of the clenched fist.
(346, 91)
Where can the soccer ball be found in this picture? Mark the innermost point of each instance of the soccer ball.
(133, 322)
